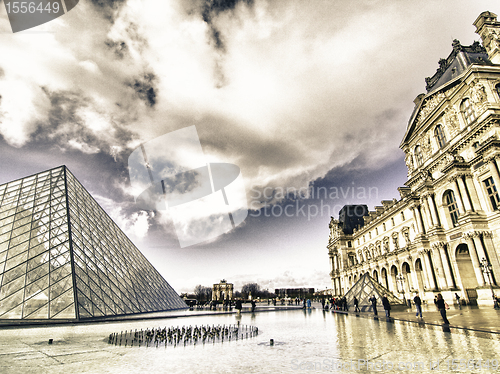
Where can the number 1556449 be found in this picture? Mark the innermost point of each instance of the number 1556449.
(31, 7)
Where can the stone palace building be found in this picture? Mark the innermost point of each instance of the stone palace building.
(443, 234)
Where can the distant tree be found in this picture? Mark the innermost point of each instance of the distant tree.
(237, 294)
(250, 288)
(203, 294)
(265, 294)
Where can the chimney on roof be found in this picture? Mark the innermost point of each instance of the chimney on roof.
(488, 28)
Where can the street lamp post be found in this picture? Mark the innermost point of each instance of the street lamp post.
(486, 268)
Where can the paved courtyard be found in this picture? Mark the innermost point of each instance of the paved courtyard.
(305, 341)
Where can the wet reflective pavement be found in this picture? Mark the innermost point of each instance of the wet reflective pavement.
(476, 318)
(304, 341)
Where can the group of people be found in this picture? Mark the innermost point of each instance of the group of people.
(441, 305)
(385, 303)
(339, 303)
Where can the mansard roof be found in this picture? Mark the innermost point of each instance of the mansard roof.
(448, 73)
(460, 58)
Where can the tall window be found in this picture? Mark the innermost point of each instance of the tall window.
(439, 133)
(468, 111)
(451, 203)
(418, 155)
(491, 189)
(497, 88)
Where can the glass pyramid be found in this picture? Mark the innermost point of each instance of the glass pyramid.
(365, 288)
(63, 257)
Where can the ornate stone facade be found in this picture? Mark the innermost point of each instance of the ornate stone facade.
(448, 217)
(222, 291)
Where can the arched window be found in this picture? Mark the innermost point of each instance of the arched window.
(451, 203)
(418, 155)
(440, 137)
(497, 89)
(468, 111)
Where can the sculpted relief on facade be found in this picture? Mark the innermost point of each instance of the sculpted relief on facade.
(451, 120)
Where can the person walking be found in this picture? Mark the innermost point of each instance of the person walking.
(458, 300)
(238, 306)
(345, 307)
(309, 303)
(356, 304)
(373, 300)
(442, 306)
(387, 306)
(418, 304)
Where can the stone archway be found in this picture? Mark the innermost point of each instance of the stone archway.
(375, 275)
(405, 271)
(394, 282)
(419, 272)
(385, 280)
(466, 271)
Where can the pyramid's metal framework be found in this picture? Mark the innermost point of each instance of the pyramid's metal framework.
(63, 257)
(367, 287)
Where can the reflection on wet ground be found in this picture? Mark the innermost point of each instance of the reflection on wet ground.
(309, 341)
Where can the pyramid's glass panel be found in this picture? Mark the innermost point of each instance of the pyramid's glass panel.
(112, 276)
(34, 248)
(62, 257)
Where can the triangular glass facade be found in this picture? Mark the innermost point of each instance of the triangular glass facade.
(63, 257)
(365, 288)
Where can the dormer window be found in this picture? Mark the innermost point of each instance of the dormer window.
(418, 155)
(440, 137)
(468, 111)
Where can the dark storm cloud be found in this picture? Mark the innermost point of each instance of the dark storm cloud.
(211, 9)
(108, 8)
(145, 88)
(119, 48)
(67, 129)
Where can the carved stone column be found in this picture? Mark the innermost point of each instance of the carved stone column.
(439, 268)
(427, 210)
(434, 209)
(454, 187)
(469, 184)
(446, 264)
(474, 258)
(428, 270)
(416, 218)
(492, 254)
(465, 197)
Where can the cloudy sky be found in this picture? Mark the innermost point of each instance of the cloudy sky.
(296, 93)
